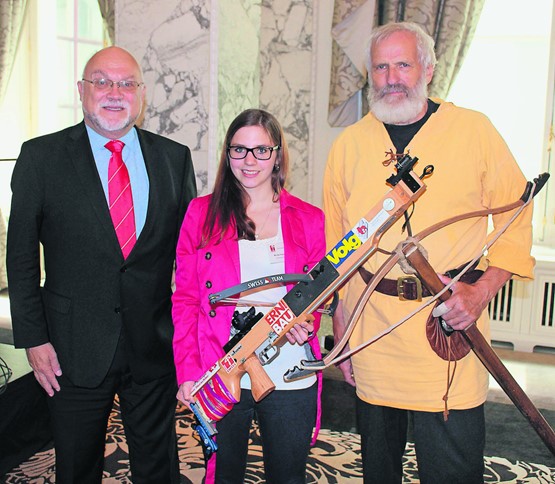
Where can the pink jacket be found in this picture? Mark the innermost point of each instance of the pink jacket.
(201, 330)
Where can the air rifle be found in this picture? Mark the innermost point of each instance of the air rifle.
(216, 392)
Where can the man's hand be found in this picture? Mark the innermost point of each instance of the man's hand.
(345, 366)
(44, 362)
(468, 301)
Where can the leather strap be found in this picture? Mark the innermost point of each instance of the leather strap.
(410, 287)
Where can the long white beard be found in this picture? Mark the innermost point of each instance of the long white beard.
(399, 111)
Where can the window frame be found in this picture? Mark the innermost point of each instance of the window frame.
(39, 108)
(544, 116)
(544, 212)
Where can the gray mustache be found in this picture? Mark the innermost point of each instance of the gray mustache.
(394, 88)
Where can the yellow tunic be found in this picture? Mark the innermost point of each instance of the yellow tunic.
(474, 169)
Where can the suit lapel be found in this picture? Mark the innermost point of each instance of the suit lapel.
(80, 154)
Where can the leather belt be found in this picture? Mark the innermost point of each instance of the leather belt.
(410, 288)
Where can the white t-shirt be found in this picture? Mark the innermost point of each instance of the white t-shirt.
(266, 257)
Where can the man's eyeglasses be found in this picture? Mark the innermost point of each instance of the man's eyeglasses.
(259, 152)
(107, 84)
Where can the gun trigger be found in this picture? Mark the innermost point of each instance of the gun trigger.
(268, 354)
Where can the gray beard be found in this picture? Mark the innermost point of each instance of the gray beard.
(402, 112)
(109, 126)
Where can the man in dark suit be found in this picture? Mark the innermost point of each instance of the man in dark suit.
(101, 324)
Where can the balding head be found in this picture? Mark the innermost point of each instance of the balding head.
(112, 111)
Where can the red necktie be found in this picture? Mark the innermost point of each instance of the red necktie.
(120, 198)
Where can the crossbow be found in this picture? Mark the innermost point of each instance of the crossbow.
(216, 392)
(471, 336)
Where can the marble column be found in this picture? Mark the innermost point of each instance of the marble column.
(205, 61)
(171, 40)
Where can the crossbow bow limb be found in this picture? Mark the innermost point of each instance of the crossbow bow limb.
(472, 335)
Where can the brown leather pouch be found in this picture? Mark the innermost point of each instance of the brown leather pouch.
(453, 347)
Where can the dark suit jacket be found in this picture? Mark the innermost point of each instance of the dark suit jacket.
(90, 293)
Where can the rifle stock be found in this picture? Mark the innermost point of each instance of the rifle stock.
(244, 358)
(261, 383)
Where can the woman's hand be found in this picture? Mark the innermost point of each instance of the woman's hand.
(300, 333)
(184, 393)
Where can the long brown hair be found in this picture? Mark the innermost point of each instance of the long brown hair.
(228, 205)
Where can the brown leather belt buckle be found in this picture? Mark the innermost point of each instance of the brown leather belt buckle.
(403, 285)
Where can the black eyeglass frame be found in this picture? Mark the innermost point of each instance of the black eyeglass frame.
(270, 149)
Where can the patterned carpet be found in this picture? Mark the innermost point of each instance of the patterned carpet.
(335, 459)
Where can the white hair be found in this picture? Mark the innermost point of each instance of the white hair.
(424, 43)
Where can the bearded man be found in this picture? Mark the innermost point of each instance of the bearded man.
(400, 379)
(106, 201)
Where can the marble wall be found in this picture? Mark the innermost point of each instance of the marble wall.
(171, 39)
(205, 61)
(238, 63)
(286, 72)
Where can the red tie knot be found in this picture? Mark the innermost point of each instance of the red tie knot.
(115, 145)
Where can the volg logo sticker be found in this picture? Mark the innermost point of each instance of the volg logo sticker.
(343, 249)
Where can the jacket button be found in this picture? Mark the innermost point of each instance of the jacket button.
(117, 310)
(208, 284)
(305, 268)
(212, 313)
(123, 269)
(208, 256)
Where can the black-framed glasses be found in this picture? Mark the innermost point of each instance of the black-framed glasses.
(107, 84)
(259, 152)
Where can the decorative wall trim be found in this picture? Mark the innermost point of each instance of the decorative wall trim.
(313, 89)
(213, 104)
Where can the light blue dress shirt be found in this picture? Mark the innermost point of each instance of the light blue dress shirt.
(135, 163)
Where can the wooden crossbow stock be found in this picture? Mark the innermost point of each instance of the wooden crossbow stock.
(409, 250)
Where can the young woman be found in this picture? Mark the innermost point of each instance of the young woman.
(247, 228)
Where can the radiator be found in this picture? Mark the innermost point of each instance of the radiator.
(522, 314)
